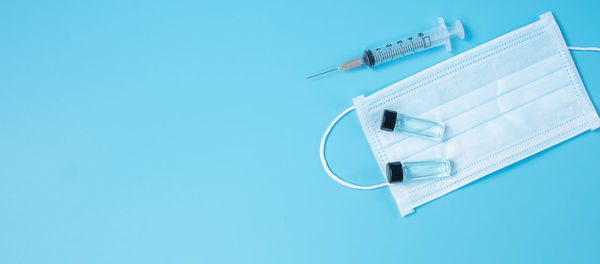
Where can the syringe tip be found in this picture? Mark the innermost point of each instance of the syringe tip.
(351, 64)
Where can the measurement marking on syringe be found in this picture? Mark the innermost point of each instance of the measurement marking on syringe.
(390, 52)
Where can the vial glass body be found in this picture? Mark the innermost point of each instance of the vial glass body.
(392, 121)
(423, 170)
(418, 170)
(419, 127)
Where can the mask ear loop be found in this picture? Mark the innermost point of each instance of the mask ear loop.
(584, 48)
(324, 160)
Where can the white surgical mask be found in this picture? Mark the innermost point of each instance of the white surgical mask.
(501, 102)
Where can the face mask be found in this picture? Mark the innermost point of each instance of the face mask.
(501, 102)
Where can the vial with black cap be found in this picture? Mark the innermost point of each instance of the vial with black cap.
(419, 170)
(392, 121)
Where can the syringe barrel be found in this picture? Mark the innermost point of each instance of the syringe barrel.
(434, 37)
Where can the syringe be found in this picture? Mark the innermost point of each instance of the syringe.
(398, 49)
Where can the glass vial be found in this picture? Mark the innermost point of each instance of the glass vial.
(420, 170)
(392, 121)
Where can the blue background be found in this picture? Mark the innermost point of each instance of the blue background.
(186, 132)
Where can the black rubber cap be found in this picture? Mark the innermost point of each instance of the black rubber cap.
(394, 172)
(388, 122)
(368, 58)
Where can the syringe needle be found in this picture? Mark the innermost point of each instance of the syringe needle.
(321, 73)
(346, 66)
